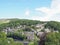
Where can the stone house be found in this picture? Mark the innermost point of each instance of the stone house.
(29, 35)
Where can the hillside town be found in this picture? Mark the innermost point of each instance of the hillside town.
(40, 31)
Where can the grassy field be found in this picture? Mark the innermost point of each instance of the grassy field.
(4, 21)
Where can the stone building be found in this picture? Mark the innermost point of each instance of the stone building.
(29, 35)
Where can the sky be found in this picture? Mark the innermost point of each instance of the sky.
(43, 10)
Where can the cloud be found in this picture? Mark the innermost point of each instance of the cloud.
(27, 12)
(50, 12)
(38, 18)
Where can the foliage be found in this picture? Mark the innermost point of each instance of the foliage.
(7, 41)
(18, 43)
(53, 25)
(33, 43)
(53, 39)
(16, 35)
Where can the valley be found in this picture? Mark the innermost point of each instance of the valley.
(29, 32)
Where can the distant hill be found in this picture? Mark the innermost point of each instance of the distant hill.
(16, 22)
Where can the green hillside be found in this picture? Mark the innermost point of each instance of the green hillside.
(53, 25)
(4, 21)
(52, 38)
